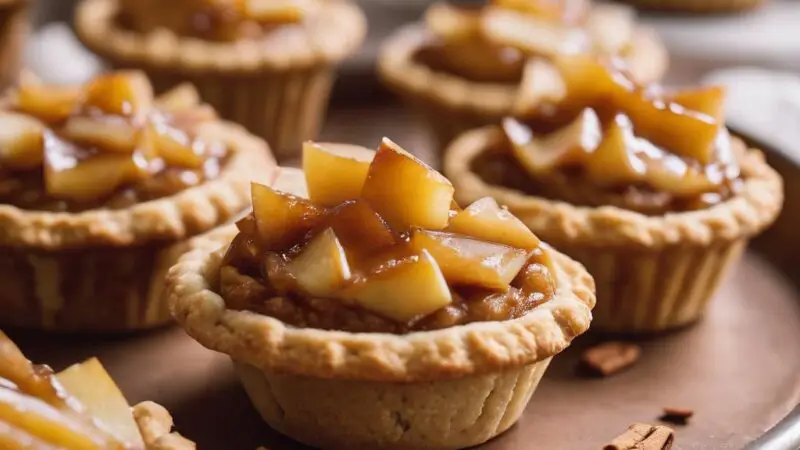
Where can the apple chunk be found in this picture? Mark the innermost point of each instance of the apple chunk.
(615, 162)
(360, 227)
(181, 97)
(51, 104)
(468, 261)
(335, 172)
(123, 93)
(21, 141)
(91, 385)
(113, 134)
(321, 268)
(485, 219)
(530, 34)
(282, 219)
(405, 191)
(452, 23)
(402, 289)
(176, 147)
(708, 100)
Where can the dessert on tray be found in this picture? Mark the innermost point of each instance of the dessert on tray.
(80, 408)
(100, 185)
(266, 64)
(14, 29)
(471, 66)
(377, 313)
(645, 186)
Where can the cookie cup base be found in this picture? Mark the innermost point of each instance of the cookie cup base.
(435, 415)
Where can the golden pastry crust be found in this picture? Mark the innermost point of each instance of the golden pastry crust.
(155, 425)
(338, 30)
(186, 213)
(269, 344)
(398, 67)
(746, 214)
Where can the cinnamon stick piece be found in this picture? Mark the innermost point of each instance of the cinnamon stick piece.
(641, 436)
(678, 416)
(610, 357)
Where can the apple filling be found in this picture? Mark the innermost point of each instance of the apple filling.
(509, 41)
(380, 246)
(217, 20)
(612, 142)
(109, 143)
(79, 408)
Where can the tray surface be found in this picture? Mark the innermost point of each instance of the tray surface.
(737, 369)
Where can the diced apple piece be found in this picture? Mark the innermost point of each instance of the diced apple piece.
(532, 35)
(538, 275)
(590, 81)
(543, 9)
(335, 172)
(16, 368)
(405, 191)
(12, 438)
(568, 145)
(123, 93)
(321, 268)
(614, 162)
(541, 84)
(67, 176)
(113, 134)
(452, 23)
(248, 226)
(282, 219)
(468, 261)
(611, 27)
(182, 97)
(60, 428)
(21, 141)
(359, 227)
(275, 12)
(486, 220)
(92, 386)
(51, 104)
(175, 147)
(402, 289)
(708, 100)
(671, 174)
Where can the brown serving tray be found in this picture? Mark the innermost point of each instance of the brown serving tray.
(738, 369)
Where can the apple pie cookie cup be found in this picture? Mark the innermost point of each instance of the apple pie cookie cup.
(14, 29)
(277, 88)
(652, 273)
(339, 389)
(450, 104)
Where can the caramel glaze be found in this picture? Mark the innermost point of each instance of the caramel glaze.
(257, 281)
(474, 60)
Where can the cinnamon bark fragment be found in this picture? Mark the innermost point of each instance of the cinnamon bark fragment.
(679, 416)
(610, 357)
(642, 436)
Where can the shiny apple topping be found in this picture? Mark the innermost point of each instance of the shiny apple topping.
(381, 243)
(106, 143)
(622, 134)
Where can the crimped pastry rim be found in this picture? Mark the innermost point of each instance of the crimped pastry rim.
(186, 213)
(742, 216)
(399, 70)
(271, 345)
(344, 31)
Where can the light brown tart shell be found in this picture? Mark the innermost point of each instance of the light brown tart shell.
(451, 105)
(336, 389)
(103, 270)
(652, 272)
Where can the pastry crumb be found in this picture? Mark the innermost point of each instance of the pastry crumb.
(611, 357)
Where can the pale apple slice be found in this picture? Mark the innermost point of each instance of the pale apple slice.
(176, 147)
(60, 428)
(182, 97)
(568, 145)
(93, 387)
(614, 162)
(335, 172)
(530, 34)
(402, 290)
(13, 438)
(113, 134)
(452, 23)
(708, 100)
(485, 219)
(282, 219)
(359, 227)
(405, 191)
(590, 81)
(51, 104)
(672, 174)
(276, 11)
(321, 268)
(469, 261)
(123, 93)
(16, 368)
(611, 27)
(541, 85)
(21, 141)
